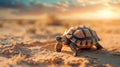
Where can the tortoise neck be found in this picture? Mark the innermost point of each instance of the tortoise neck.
(67, 40)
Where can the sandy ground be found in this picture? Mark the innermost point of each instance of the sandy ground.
(31, 44)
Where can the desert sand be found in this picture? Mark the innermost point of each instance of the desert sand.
(30, 43)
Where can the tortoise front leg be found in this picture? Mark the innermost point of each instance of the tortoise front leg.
(74, 49)
(58, 47)
(98, 46)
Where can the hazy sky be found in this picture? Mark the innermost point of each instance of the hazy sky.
(77, 9)
(54, 1)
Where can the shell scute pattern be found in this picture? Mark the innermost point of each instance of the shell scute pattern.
(79, 34)
(76, 34)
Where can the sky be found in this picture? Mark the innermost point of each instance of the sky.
(77, 9)
(54, 1)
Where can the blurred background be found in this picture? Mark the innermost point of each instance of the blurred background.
(62, 9)
(28, 29)
(33, 16)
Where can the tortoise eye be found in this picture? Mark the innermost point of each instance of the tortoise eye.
(58, 38)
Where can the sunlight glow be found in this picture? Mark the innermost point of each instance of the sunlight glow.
(106, 13)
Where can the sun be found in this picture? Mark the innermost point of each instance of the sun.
(105, 13)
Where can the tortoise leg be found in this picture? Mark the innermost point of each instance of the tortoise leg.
(98, 46)
(73, 47)
(58, 47)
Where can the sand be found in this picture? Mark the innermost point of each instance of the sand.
(31, 44)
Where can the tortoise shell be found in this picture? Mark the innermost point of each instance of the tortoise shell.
(82, 36)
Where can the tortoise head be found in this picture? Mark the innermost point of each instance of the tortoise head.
(59, 38)
(60, 41)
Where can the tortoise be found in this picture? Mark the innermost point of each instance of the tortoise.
(78, 37)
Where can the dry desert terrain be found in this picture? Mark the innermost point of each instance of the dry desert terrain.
(30, 43)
